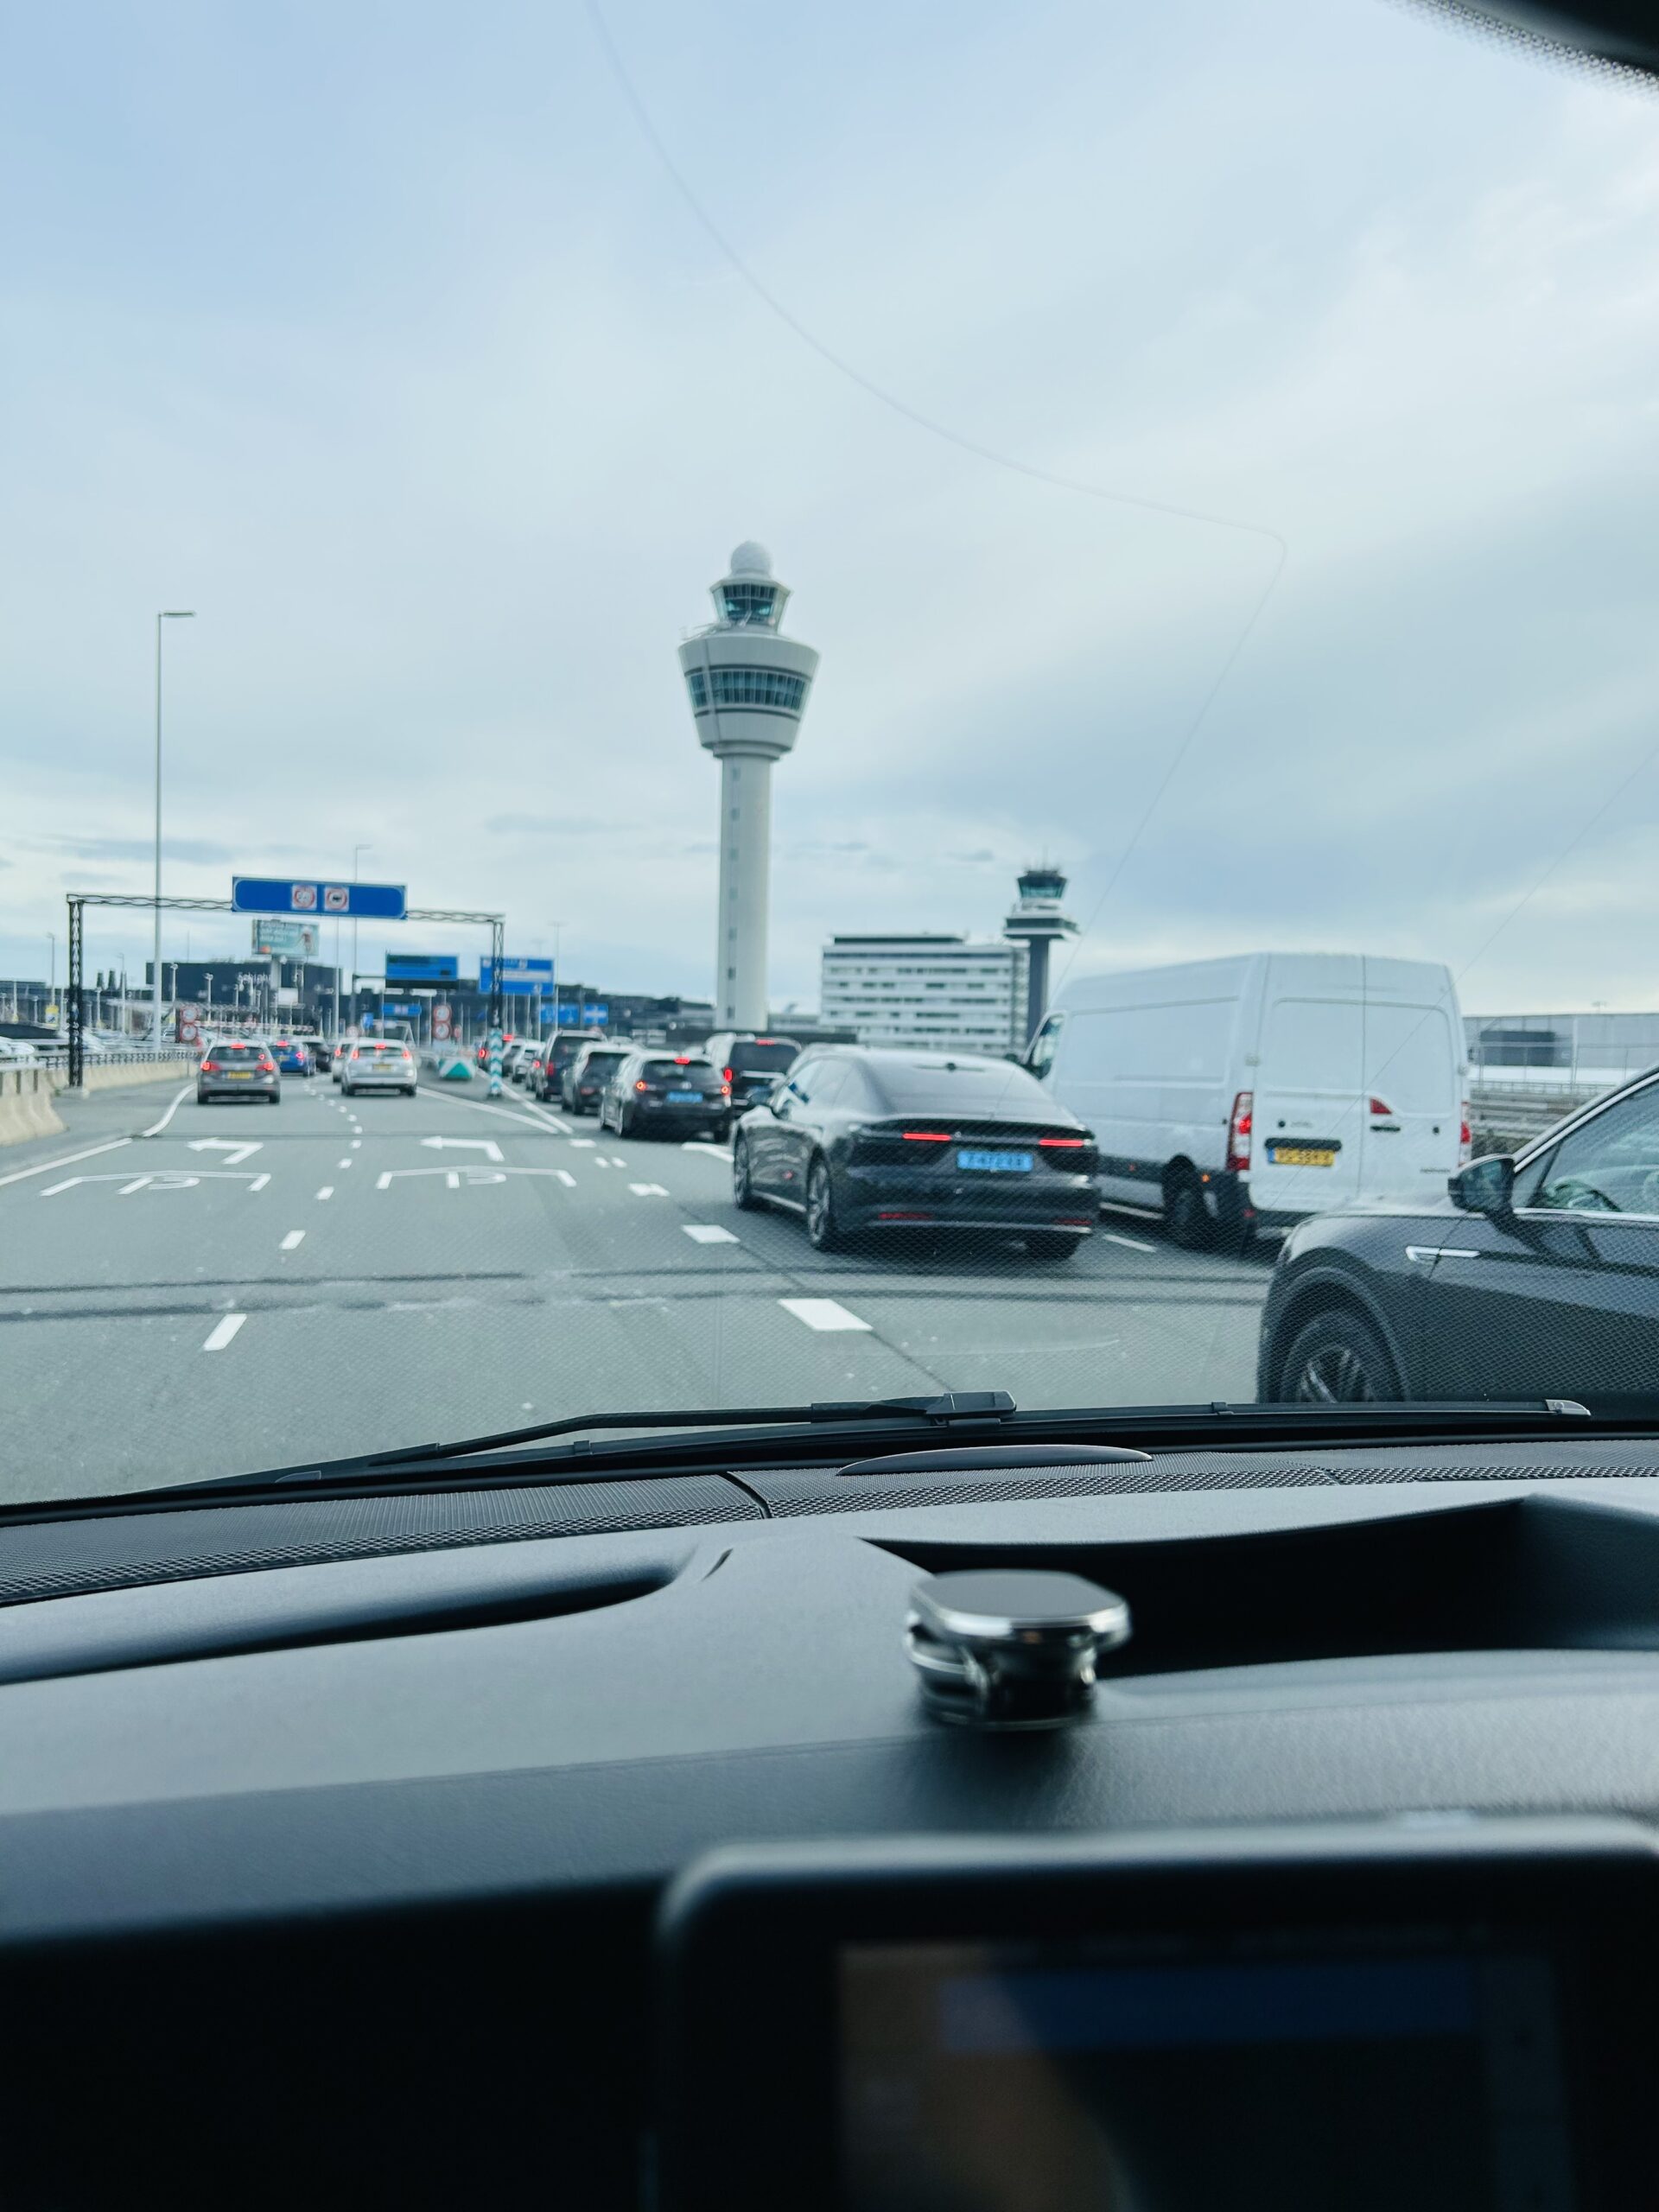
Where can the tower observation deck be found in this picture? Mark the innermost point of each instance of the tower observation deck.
(748, 686)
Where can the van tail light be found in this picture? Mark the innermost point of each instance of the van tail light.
(726, 1078)
(1380, 1111)
(1238, 1132)
(1465, 1137)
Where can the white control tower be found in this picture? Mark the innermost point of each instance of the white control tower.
(748, 688)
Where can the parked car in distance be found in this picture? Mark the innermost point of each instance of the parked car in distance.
(377, 1064)
(238, 1067)
(1535, 1276)
(656, 1093)
(1252, 1091)
(581, 1086)
(855, 1139)
(562, 1048)
(750, 1064)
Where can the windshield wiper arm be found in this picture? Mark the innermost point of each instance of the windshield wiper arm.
(943, 1411)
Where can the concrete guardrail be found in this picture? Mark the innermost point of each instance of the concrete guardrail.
(29, 1094)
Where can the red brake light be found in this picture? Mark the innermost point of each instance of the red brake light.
(766, 1040)
(1071, 1144)
(927, 1136)
(1466, 1137)
(726, 1078)
(210, 1067)
(1377, 1107)
(642, 1085)
(682, 1059)
(1238, 1132)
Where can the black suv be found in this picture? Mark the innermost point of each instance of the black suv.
(1536, 1276)
(749, 1063)
(548, 1081)
(667, 1094)
(587, 1073)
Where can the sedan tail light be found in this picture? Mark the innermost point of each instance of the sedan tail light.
(210, 1067)
(1238, 1132)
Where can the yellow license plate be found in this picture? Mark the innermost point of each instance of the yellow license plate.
(1303, 1155)
(241, 1075)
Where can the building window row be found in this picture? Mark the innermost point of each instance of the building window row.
(746, 687)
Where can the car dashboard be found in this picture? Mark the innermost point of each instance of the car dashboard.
(335, 1832)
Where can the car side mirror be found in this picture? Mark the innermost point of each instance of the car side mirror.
(1484, 1186)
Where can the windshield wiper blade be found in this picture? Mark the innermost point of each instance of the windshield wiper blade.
(946, 1410)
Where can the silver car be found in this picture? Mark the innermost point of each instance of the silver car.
(238, 1067)
(379, 1067)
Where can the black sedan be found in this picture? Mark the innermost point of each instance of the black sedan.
(857, 1140)
(1537, 1277)
(664, 1093)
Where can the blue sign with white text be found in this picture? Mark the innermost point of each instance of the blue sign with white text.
(269, 894)
(422, 967)
(520, 978)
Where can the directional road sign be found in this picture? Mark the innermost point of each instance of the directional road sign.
(268, 895)
(520, 978)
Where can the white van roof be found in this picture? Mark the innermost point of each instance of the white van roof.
(1346, 974)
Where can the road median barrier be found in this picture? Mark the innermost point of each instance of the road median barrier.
(26, 1105)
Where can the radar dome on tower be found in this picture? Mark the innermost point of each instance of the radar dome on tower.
(751, 559)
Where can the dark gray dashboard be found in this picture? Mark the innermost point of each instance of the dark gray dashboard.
(530, 1733)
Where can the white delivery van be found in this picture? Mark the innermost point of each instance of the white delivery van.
(1251, 1091)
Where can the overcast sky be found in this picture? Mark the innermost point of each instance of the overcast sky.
(381, 336)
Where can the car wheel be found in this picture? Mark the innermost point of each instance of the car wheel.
(1052, 1244)
(1338, 1359)
(1186, 1218)
(823, 1232)
(743, 1195)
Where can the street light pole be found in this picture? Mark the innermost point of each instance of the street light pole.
(356, 850)
(169, 615)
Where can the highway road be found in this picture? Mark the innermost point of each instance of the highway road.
(249, 1287)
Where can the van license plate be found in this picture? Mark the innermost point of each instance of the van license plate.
(995, 1163)
(1301, 1155)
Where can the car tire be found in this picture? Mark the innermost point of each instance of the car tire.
(1052, 1244)
(823, 1232)
(743, 1195)
(1338, 1358)
(1186, 1218)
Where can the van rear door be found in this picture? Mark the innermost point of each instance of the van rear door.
(1307, 1140)
(1413, 1106)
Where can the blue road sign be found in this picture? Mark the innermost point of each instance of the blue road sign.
(600, 1014)
(409, 1006)
(520, 978)
(422, 967)
(269, 894)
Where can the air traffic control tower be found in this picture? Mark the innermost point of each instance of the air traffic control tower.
(748, 687)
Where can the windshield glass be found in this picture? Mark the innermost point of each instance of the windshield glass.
(1080, 592)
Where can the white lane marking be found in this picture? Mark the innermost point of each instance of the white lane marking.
(706, 1232)
(52, 1188)
(357, 1143)
(582, 1144)
(1129, 1243)
(64, 1160)
(617, 1161)
(234, 1154)
(723, 1152)
(156, 1129)
(346, 1161)
(531, 1117)
(599, 1161)
(223, 1331)
(566, 1177)
(327, 1192)
(487, 1146)
(257, 1184)
(293, 1239)
(648, 1190)
(821, 1313)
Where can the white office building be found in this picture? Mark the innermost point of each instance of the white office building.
(965, 994)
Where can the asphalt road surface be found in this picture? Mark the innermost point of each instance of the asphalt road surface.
(248, 1287)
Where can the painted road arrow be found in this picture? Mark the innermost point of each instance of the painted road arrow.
(228, 1146)
(463, 1144)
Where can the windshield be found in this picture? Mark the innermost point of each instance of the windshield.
(1077, 588)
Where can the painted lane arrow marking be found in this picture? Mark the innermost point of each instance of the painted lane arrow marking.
(463, 1144)
(232, 1150)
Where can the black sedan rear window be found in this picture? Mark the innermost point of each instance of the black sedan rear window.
(690, 1075)
(941, 1086)
(750, 1056)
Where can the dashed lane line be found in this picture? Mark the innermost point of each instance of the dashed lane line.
(720, 1152)
(346, 1161)
(64, 1159)
(293, 1239)
(566, 1177)
(327, 1192)
(222, 1331)
(648, 1190)
(1129, 1243)
(821, 1313)
(706, 1232)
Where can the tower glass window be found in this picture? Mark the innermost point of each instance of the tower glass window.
(743, 604)
(746, 687)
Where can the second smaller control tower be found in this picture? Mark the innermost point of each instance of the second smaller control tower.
(748, 688)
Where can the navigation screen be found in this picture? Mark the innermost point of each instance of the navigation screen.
(977, 2080)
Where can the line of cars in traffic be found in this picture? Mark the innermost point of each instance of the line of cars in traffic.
(241, 1066)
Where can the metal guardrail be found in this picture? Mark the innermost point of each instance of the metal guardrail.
(1504, 1117)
